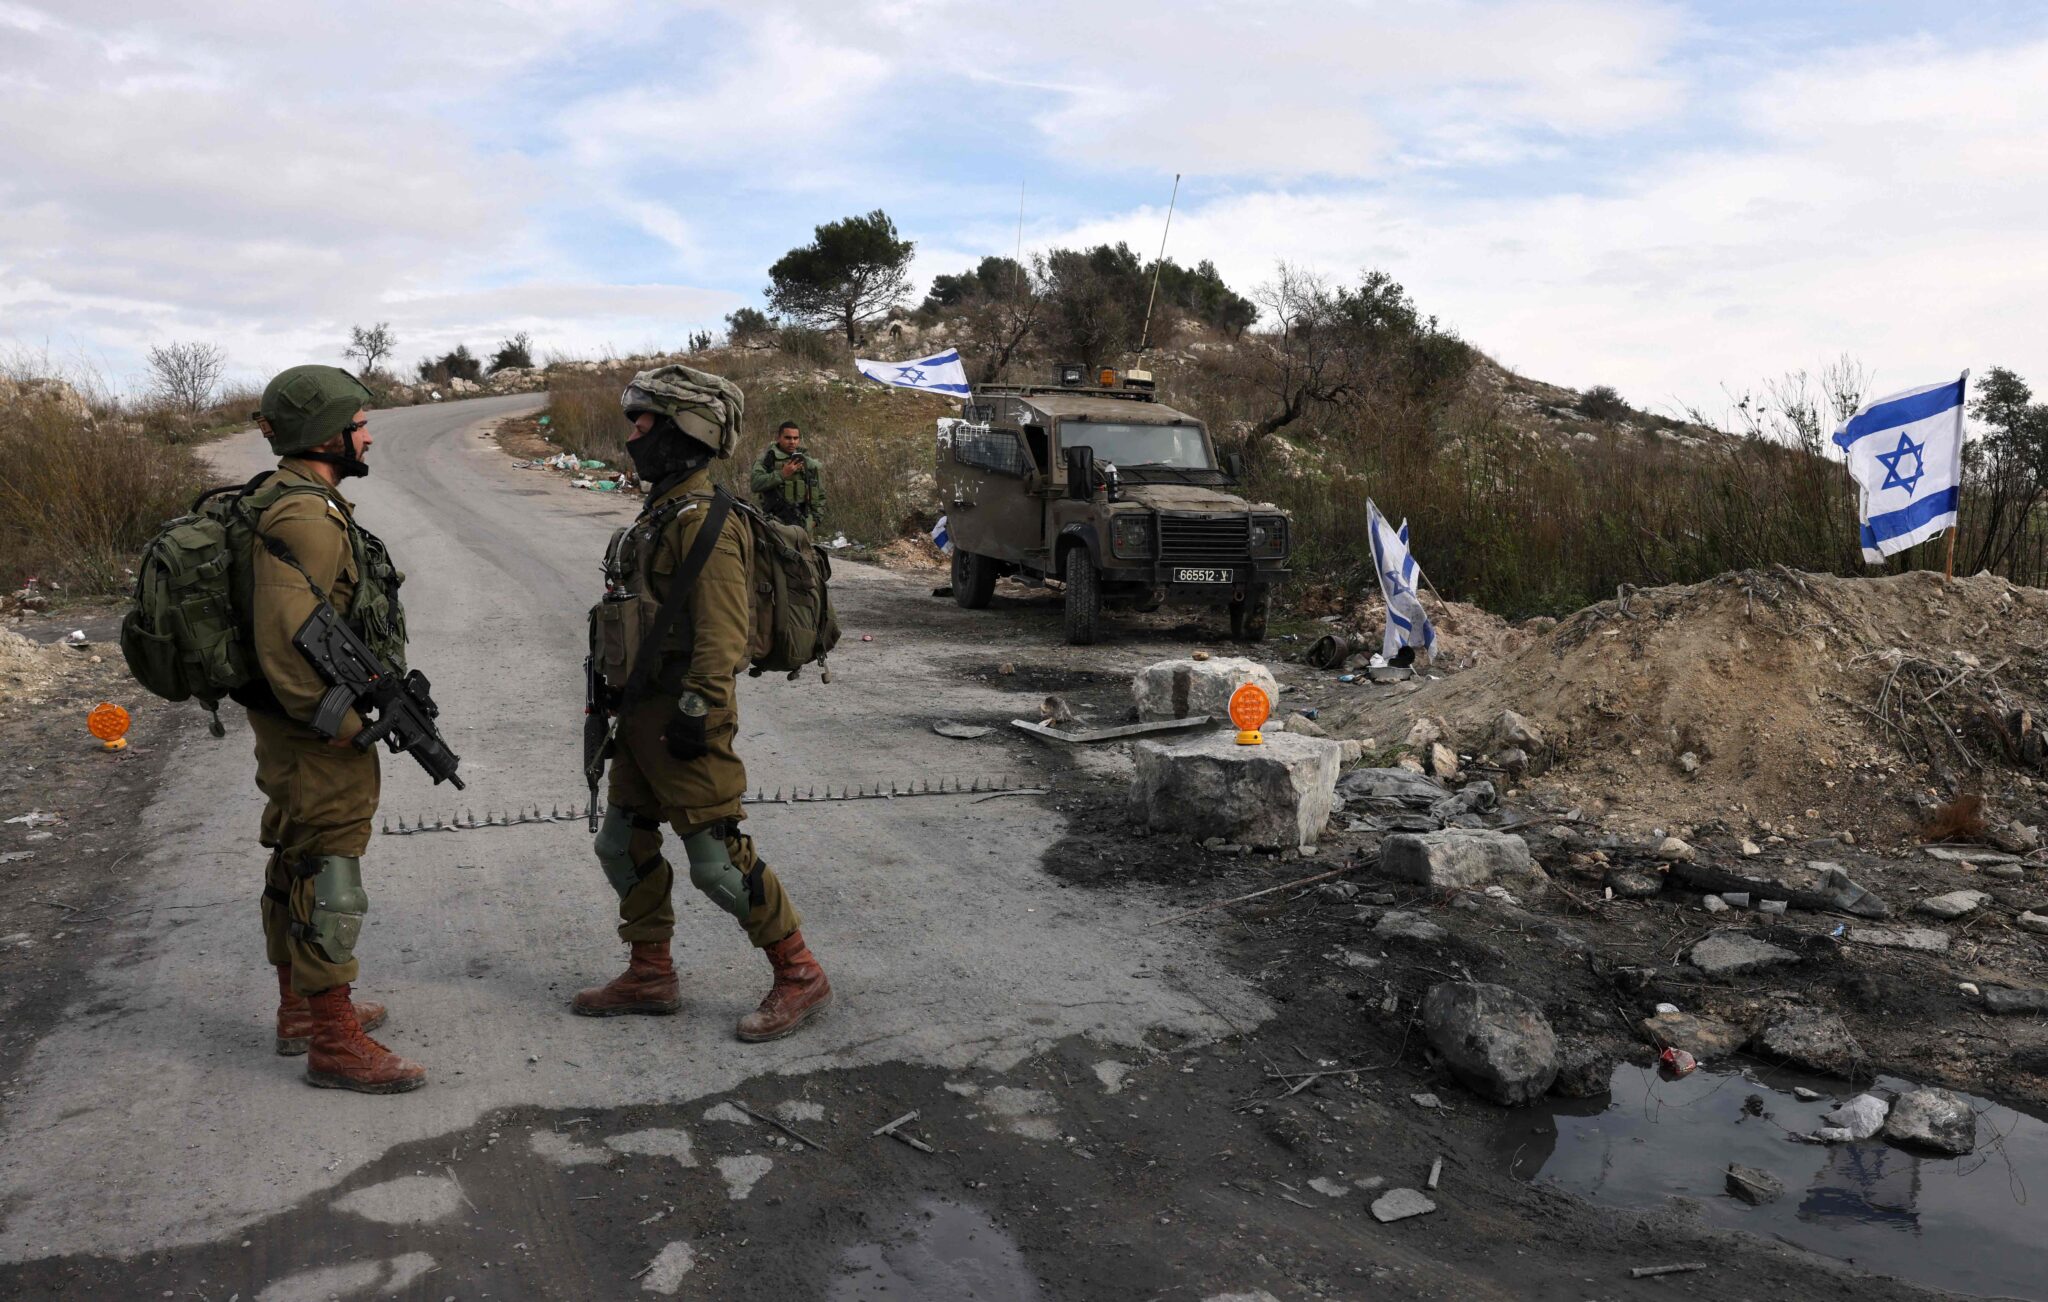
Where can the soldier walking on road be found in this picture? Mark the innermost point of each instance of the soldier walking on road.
(786, 481)
(674, 761)
(322, 792)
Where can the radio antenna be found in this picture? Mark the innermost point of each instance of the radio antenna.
(1145, 335)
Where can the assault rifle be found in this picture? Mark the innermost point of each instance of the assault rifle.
(599, 732)
(398, 711)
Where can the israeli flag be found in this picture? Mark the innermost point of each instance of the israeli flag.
(941, 373)
(1407, 623)
(1906, 452)
(942, 538)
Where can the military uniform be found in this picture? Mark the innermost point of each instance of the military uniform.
(797, 499)
(697, 797)
(321, 796)
(669, 679)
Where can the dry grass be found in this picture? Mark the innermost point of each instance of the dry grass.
(80, 497)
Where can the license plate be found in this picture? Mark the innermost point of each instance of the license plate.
(1201, 576)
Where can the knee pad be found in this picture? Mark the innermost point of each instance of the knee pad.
(339, 903)
(713, 872)
(614, 846)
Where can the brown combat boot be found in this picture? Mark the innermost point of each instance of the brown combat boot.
(648, 985)
(343, 1058)
(799, 992)
(295, 1016)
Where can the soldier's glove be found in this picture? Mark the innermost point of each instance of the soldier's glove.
(685, 735)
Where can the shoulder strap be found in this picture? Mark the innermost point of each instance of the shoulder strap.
(679, 587)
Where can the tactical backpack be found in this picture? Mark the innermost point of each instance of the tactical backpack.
(186, 632)
(791, 623)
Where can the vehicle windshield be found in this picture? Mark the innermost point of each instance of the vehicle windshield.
(1139, 445)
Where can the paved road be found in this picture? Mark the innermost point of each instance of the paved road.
(156, 1115)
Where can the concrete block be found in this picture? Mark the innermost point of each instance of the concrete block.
(1177, 689)
(1272, 796)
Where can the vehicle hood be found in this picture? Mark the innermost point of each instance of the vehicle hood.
(1182, 497)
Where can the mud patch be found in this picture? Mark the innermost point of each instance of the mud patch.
(947, 1250)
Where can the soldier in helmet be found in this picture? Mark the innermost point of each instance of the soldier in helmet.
(674, 761)
(322, 791)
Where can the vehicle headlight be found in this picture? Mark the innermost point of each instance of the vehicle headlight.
(1269, 535)
(1131, 535)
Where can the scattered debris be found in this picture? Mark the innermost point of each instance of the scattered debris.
(782, 1126)
(2005, 1001)
(1400, 1204)
(1753, 1186)
(1120, 732)
(961, 731)
(1651, 1272)
(1858, 1119)
(1733, 953)
(1955, 904)
(894, 1130)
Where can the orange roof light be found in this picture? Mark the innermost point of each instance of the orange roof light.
(1107, 379)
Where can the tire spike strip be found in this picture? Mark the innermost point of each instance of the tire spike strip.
(575, 812)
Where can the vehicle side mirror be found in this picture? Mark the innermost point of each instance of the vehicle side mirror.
(1081, 473)
(1234, 463)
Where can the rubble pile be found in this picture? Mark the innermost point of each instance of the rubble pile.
(1810, 703)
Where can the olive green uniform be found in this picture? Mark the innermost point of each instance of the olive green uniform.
(699, 798)
(322, 797)
(796, 499)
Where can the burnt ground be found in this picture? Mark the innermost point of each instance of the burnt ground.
(1180, 1171)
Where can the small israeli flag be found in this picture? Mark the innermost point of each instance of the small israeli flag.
(941, 538)
(942, 373)
(1407, 623)
(1906, 452)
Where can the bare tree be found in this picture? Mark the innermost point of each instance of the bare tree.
(185, 375)
(1307, 357)
(1005, 320)
(370, 344)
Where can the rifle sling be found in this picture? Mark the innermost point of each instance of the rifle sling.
(680, 587)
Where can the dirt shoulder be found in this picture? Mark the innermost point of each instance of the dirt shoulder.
(61, 874)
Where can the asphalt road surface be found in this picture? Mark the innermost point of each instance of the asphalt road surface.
(156, 1115)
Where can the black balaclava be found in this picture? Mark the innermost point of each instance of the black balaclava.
(665, 453)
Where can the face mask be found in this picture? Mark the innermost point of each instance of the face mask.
(663, 451)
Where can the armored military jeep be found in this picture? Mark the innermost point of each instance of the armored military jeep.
(1096, 484)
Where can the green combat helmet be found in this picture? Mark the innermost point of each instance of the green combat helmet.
(704, 406)
(308, 405)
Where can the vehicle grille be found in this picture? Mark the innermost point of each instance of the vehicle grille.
(1204, 537)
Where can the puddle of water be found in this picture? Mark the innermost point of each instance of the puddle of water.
(1962, 1224)
(944, 1252)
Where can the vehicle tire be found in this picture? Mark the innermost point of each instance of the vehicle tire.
(974, 579)
(1084, 598)
(1248, 617)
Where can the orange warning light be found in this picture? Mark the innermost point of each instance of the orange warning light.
(1249, 707)
(109, 723)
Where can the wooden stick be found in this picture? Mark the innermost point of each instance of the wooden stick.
(1950, 572)
(791, 1131)
(1253, 895)
(1685, 1267)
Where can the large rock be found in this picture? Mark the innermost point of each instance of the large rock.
(1494, 1039)
(1702, 1037)
(1179, 689)
(1754, 1186)
(1273, 796)
(1732, 953)
(1955, 904)
(1858, 1119)
(1457, 858)
(1934, 1119)
(1811, 1039)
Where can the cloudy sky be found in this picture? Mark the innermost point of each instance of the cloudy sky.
(1666, 197)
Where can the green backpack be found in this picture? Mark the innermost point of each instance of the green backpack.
(793, 620)
(185, 634)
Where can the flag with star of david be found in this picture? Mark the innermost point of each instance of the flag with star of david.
(941, 373)
(1906, 452)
